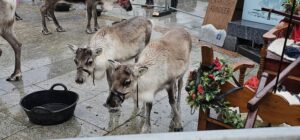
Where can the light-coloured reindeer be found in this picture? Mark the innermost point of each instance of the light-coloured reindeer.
(122, 41)
(161, 64)
(7, 18)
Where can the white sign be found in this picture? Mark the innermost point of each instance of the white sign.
(252, 11)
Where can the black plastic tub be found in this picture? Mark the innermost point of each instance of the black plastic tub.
(50, 107)
(62, 7)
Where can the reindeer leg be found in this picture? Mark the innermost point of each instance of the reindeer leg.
(89, 8)
(17, 17)
(48, 16)
(108, 77)
(176, 121)
(147, 125)
(180, 84)
(16, 45)
(0, 52)
(95, 17)
(58, 27)
(44, 11)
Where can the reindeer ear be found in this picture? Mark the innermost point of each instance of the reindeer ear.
(72, 47)
(141, 70)
(113, 64)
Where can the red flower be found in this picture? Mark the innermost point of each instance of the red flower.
(211, 76)
(200, 89)
(217, 64)
(193, 96)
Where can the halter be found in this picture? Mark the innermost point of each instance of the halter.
(88, 72)
(137, 95)
(119, 95)
(85, 70)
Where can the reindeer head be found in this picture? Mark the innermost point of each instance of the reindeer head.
(109, 4)
(85, 62)
(126, 4)
(124, 82)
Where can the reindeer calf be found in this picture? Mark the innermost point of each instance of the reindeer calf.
(7, 18)
(161, 64)
(121, 41)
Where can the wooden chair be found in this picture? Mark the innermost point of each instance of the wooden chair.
(239, 98)
(272, 108)
(269, 62)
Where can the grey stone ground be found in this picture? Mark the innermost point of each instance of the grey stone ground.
(46, 60)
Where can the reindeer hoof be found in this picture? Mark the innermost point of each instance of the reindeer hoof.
(146, 129)
(96, 29)
(178, 129)
(46, 32)
(89, 31)
(60, 29)
(15, 77)
(99, 11)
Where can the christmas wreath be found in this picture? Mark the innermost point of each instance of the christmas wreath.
(204, 91)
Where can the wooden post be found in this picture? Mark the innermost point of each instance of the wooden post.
(202, 119)
(207, 54)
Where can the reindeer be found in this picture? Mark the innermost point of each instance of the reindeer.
(161, 64)
(7, 18)
(122, 41)
(49, 6)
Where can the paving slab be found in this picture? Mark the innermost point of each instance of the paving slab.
(94, 112)
(70, 129)
(9, 126)
(13, 98)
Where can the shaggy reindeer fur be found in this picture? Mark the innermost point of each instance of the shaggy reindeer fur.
(122, 41)
(161, 64)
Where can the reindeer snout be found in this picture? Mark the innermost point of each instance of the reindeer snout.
(79, 80)
(113, 100)
(128, 8)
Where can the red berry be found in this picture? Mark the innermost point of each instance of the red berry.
(200, 89)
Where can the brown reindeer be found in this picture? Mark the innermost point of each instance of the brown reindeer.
(49, 6)
(121, 41)
(7, 18)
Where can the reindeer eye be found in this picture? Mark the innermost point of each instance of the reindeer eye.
(127, 82)
(89, 62)
(76, 62)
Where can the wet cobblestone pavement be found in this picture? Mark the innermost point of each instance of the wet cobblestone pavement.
(46, 60)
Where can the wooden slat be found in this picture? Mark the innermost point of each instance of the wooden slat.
(252, 114)
(276, 110)
(202, 120)
(280, 13)
(254, 101)
(272, 34)
(239, 98)
(289, 77)
(217, 122)
(251, 118)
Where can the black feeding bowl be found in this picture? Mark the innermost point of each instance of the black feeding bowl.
(62, 7)
(49, 107)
